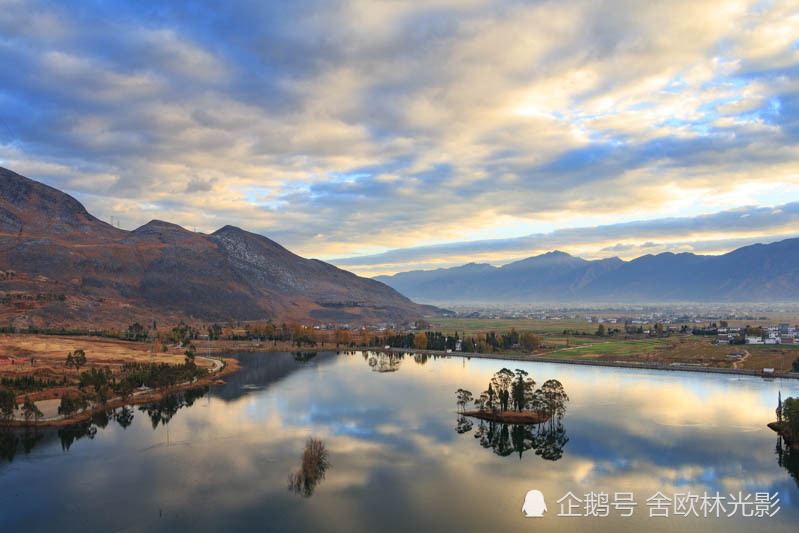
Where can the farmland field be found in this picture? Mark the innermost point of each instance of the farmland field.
(678, 348)
(611, 348)
(478, 325)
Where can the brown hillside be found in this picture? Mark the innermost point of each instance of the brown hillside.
(61, 265)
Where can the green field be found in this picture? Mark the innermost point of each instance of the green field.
(770, 347)
(560, 341)
(610, 348)
(481, 325)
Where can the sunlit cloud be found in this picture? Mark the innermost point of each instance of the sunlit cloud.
(346, 129)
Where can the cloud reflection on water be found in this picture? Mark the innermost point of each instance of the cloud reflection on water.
(225, 459)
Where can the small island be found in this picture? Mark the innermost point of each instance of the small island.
(511, 398)
(787, 424)
(508, 417)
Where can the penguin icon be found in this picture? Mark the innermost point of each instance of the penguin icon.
(534, 504)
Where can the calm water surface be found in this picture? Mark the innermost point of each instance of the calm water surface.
(399, 457)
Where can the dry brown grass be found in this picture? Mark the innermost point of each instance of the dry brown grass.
(49, 356)
(50, 352)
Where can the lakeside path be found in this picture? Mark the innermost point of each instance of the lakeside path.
(595, 362)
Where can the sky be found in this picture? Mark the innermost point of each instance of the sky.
(386, 136)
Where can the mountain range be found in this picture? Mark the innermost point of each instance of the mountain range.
(62, 266)
(756, 273)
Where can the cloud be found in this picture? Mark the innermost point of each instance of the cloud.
(618, 248)
(200, 185)
(383, 125)
(721, 231)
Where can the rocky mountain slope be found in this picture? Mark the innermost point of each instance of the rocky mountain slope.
(62, 266)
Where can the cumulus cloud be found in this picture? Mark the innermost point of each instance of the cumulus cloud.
(343, 128)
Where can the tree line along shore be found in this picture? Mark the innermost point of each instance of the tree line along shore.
(45, 391)
(159, 354)
(613, 342)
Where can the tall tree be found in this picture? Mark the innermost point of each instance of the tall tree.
(76, 359)
(521, 390)
(420, 341)
(502, 380)
(554, 399)
(8, 404)
(30, 411)
(463, 397)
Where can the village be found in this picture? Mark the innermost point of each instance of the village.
(782, 334)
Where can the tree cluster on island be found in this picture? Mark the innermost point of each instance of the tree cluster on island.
(515, 417)
(788, 421)
(515, 392)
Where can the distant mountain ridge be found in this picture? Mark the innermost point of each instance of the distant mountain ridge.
(756, 273)
(77, 269)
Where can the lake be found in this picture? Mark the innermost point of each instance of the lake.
(399, 457)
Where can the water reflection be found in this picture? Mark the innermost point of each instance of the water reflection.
(30, 438)
(401, 460)
(11, 440)
(69, 434)
(313, 466)
(304, 357)
(259, 371)
(124, 416)
(384, 361)
(788, 459)
(464, 425)
(162, 411)
(546, 440)
(8, 444)
(390, 361)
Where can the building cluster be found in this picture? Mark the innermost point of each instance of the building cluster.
(782, 334)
